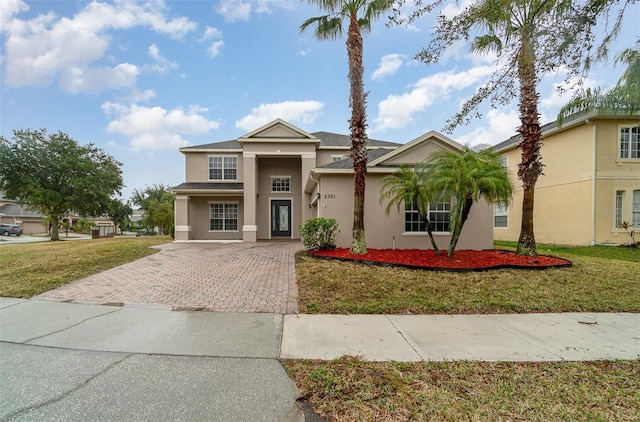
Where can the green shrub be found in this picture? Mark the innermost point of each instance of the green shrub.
(319, 233)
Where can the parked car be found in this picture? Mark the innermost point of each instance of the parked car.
(146, 233)
(10, 229)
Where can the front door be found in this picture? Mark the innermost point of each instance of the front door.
(281, 217)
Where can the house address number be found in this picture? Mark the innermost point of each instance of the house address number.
(329, 196)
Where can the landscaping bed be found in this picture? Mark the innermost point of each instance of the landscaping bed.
(461, 261)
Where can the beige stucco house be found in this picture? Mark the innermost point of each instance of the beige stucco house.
(267, 183)
(591, 182)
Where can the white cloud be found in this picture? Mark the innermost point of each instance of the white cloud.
(96, 79)
(155, 128)
(397, 111)
(162, 64)
(215, 47)
(240, 10)
(497, 126)
(46, 49)
(9, 8)
(234, 10)
(389, 65)
(293, 111)
(211, 33)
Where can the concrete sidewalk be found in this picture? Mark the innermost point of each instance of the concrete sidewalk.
(76, 362)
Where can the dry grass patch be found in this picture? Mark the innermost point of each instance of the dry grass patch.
(29, 269)
(352, 390)
(591, 285)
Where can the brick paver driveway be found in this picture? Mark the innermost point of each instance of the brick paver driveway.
(221, 277)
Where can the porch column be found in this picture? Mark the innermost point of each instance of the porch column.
(181, 219)
(249, 228)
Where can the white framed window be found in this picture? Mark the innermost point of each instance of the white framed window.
(630, 142)
(223, 167)
(439, 215)
(503, 160)
(335, 158)
(223, 216)
(619, 210)
(500, 215)
(635, 211)
(280, 183)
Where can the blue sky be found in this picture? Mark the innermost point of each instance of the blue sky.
(141, 79)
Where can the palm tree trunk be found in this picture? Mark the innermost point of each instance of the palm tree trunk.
(457, 229)
(530, 133)
(357, 125)
(427, 223)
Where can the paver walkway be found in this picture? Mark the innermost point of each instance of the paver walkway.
(221, 277)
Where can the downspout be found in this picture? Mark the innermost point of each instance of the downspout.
(317, 199)
(594, 168)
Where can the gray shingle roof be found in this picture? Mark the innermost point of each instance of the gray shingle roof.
(347, 163)
(210, 186)
(232, 144)
(327, 139)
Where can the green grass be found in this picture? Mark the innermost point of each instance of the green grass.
(28, 269)
(591, 284)
(599, 251)
(352, 390)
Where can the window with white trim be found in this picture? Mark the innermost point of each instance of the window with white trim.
(619, 209)
(635, 211)
(280, 183)
(439, 214)
(629, 142)
(500, 215)
(335, 158)
(223, 167)
(223, 217)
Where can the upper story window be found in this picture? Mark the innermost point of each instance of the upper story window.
(223, 167)
(629, 142)
(280, 183)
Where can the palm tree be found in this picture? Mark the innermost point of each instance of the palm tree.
(623, 98)
(515, 25)
(409, 186)
(467, 176)
(360, 14)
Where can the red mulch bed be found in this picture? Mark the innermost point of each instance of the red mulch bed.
(462, 260)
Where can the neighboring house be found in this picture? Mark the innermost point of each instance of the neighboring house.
(13, 213)
(591, 182)
(265, 184)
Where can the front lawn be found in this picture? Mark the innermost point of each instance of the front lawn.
(351, 390)
(592, 284)
(29, 269)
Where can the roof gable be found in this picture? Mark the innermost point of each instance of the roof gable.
(417, 150)
(278, 130)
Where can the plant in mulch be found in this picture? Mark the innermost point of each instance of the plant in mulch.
(319, 233)
(462, 260)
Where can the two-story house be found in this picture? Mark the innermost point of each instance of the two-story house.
(591, 182)
(267, 183)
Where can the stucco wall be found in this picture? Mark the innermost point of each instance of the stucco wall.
(382, 230)
(199, 219)
(197, 166)
(565, 211)
(268, 167)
